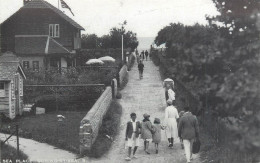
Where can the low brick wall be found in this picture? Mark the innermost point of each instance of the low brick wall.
(90, 124)
(123, 76)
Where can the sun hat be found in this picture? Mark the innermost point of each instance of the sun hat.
(169, 102)
(157, 120)
(146, 115)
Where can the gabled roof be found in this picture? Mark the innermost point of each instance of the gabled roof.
(9, 65)
(41, 4)
(9, 69)
(38, 45)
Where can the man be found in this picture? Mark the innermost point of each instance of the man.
(171, 116)
(188, 130)
(142, 55)
(133, 130)
(141, 69)
(146, 54)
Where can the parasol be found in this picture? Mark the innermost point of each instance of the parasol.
(107, 58)
(94, 61)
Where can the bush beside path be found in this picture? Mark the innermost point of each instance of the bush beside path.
(143, 96)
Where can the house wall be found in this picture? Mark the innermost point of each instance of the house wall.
(35, 22)
(31, 59)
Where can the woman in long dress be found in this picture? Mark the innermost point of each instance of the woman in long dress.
(171, 116)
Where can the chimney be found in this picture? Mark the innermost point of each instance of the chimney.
(26, 1)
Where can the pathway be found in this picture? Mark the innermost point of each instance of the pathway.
(39, 152)
(143, 96)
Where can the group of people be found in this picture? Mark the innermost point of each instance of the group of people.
(143, 55)
(181, 125)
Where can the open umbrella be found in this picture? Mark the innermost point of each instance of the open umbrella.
(107, 58)
(94, 61)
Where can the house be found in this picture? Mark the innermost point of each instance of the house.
(11, 85)
(41, 36)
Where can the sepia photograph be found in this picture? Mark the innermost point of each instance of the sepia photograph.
(142, 81)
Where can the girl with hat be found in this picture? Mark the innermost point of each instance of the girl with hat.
(157, 133)
(146, 132)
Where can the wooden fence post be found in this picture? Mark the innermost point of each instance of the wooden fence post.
(17, 140)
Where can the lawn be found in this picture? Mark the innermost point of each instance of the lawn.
(10, 153)
(65, 135)
(46, 128)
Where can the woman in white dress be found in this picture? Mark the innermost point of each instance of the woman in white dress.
(171, 116)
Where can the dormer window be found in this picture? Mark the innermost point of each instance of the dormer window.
(54, 30)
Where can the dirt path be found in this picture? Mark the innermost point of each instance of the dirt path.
(144, 96)
(39, 151)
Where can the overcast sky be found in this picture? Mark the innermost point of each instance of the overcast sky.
(145, 17)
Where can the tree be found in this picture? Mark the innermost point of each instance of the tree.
(112, 40)
(89, 41)
(130, 38)
(222, 63)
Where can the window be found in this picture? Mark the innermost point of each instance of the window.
(35, 65)
(51, 31)
(54, 30)
(26, 64)
(2, 89)
(57, 30)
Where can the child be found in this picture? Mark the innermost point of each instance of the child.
(146, 132)
(157, 133)
(133, 130)
(181, 114)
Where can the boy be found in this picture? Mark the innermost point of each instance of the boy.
(133, 130)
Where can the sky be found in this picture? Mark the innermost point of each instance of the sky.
(144, 17)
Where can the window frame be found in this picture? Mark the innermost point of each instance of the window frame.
(28, 66)
(2, 90)
(51, 31)
(54, 30)
(37, 68)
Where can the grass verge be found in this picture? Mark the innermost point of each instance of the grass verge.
(46, 128)
(110, 127)
(9, 154)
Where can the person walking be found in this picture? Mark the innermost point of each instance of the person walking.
(142, 55)
(181, 140)
(146, 54)
(133, 130)
(171, 116)
(141, 69)
(168, 84)
(157, 127)
(146, 132)
(137, 56)
(188, 130)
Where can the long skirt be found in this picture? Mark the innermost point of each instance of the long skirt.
(172, 130)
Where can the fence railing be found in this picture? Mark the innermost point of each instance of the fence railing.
(17, 139)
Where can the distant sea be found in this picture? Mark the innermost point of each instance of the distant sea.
(145, 43)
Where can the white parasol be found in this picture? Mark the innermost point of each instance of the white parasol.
(94, 61)
(107, 58)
